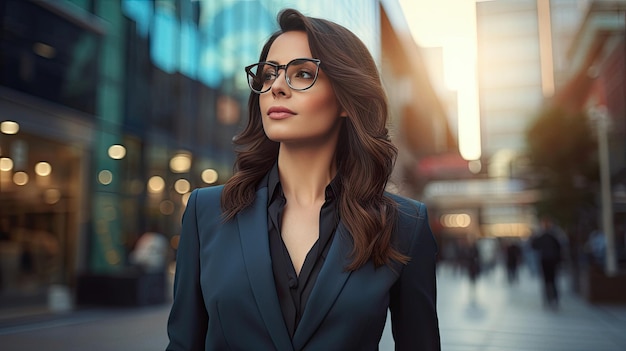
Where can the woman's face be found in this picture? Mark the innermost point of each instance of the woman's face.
(301, 117)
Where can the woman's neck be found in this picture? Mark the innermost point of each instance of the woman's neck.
(305, 173)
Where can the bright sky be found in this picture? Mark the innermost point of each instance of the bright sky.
(432, 22)
(451, 24)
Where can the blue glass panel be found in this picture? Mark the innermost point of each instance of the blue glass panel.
(189, 49)
(141, 12)
(163, 49)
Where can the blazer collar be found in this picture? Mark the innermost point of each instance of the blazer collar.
(255, 245)
(330, 281)
(328, 285)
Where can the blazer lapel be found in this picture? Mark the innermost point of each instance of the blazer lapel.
(255, 245)
(328, 285)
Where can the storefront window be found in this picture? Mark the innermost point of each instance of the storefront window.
(39, 188)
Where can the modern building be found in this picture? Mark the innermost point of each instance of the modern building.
(522, 48)
(594, 86)
(522, 54)
(112, 111)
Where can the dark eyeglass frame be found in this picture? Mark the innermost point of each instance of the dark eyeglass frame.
(278, 68)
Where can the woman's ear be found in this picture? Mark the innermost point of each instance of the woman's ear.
(343, 113)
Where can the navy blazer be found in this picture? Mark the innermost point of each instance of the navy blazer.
(225, 297)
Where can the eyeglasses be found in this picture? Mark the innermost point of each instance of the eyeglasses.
(300, 74)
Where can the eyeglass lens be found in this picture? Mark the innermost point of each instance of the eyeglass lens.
(300, 75)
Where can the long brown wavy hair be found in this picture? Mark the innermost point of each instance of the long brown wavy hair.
(365, 155)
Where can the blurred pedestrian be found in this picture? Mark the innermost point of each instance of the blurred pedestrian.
(513, 258)
(150, 253)
(548, 248)
(150, 257)
(472, 261)
(302, 248)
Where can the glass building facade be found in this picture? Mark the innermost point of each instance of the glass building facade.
(112, 111)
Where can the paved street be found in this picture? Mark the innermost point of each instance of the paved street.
(495, 317)
(92, 330)
(504, 318)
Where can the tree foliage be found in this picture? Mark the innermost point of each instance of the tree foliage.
(563, 155)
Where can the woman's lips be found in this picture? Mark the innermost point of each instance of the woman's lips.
(279, 112)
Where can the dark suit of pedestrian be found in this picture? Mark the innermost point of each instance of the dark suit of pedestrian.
(225, 297)
(549, 251)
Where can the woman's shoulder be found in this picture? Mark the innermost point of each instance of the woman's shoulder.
(210, 191)
(412, 226)
(409, 209)
(207, 196)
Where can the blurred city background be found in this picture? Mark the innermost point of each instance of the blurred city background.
(504, 111)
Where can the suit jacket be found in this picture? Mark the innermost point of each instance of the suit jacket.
(225, 297)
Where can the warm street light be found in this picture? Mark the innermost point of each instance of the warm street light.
(181, 162)
(117, 152)
(9, 127)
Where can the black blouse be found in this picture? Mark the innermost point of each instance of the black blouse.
(293, 290)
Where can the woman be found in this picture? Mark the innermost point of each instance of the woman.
(302, 249)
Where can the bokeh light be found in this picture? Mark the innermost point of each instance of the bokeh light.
(117, 152)
(43, 169)
(105, 177)
(209, 176)
(20, 178)
(9, 127)
(156, 184)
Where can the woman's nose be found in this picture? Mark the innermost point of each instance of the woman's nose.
(280, 86)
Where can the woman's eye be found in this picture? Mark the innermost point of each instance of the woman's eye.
(304, 75)
(269, 75)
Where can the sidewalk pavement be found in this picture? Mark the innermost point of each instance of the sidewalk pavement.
(492, 317)
(496, 316)
(123, 329)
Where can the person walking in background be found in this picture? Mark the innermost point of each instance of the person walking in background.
(302, 248)
(548, 248)
(472, 265)
(472, 261)
(513, 256)
(150, 254)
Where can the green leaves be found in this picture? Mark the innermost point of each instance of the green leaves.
(563, 153)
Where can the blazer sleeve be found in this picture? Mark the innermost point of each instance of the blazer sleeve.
(413, 298)
(188, 319)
